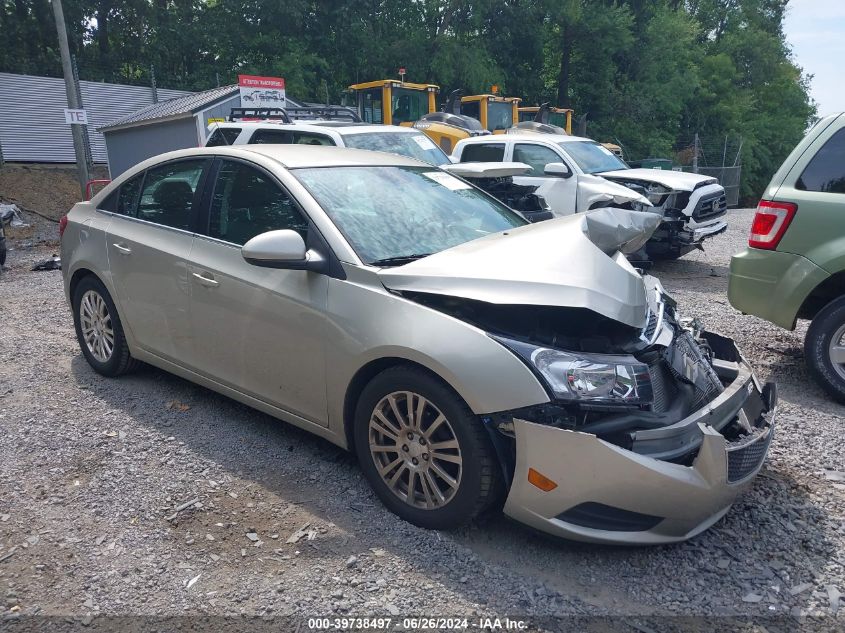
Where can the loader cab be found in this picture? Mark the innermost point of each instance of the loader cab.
(495, 113)
(560, 117)
(392, 102)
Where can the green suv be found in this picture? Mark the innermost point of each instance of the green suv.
(794, 266)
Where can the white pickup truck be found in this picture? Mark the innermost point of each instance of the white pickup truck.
(576, 174)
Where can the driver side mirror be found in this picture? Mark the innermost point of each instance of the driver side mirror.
(280, 249)
(558, 170)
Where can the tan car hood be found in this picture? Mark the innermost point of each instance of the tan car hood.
(677, 180)
(551, 263)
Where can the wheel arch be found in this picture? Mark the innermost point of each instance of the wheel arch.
(364, 375)
(78, 275)
(831, 288)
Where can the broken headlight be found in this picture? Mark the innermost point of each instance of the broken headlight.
(597, 378)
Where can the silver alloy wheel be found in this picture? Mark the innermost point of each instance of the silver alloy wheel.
(415, 450)
(836, 351)
(95, 323)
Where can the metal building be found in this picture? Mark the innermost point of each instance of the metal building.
(166, 126)
(32, 120)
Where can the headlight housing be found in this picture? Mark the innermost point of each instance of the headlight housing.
(588, 378)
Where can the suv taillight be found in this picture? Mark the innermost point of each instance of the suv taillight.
(62, 226)
(770, 223)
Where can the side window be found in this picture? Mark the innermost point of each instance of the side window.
(826, 170)
(471, 108)
(124, 199)
(247, 203)
(536, 156)
(307, 138)
(223, 136)
(169, 191)
(271, 137)
(370, 105)
(483, 153)
(127, 197)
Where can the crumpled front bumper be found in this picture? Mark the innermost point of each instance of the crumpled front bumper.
(607, 494)
(696, 235)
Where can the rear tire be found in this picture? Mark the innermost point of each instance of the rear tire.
(435, 466)
(824, 345)
(99, 330)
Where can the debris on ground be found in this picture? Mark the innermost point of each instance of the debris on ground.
(53, 263)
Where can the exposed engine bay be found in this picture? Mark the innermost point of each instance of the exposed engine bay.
(683, 370)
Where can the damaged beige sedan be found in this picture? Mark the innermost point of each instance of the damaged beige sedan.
(467, 357)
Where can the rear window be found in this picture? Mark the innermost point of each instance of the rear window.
(223, 136)
(826, 171)
(483, 153)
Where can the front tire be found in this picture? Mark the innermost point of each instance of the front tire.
(423, 451)
(99, 330)
(824, 348)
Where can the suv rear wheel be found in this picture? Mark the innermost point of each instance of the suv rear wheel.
(824, 348)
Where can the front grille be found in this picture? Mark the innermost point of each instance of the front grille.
(690, 365)
(662, 386)
(651, 328)
(746, 456)
(710, 207)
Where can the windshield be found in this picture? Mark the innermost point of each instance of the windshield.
(408, 105)
(591, 157)
(390, 212)
(499, 115)
(417, 146)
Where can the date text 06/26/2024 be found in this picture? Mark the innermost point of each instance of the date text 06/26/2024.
(416, 624)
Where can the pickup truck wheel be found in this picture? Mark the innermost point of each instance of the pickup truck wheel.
(423, 451)
(824, 348)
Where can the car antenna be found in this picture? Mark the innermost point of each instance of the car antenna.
(217, 127)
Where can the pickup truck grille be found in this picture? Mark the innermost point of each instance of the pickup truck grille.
(710, 207)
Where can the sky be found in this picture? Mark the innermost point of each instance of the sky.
(816, 31)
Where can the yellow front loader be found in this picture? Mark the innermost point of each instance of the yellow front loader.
(560, 117)
(495, 113)
(392, 102)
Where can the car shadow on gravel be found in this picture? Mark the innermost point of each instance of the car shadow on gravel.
(773, 538)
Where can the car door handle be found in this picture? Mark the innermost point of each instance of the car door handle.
(206, 281)
(122, 249)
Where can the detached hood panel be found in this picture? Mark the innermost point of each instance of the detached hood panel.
(551, 263)
(486, 170)
(677, 180)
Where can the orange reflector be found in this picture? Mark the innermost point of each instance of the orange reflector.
(541, 481)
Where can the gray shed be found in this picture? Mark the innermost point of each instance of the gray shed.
(166, 126)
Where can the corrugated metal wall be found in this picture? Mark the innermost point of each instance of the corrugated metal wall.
(132, 145)
(32, 120)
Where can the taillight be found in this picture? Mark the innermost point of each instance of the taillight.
(770, 223)
(62, 226)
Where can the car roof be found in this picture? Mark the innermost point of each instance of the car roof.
(295, 156)
(527, 136)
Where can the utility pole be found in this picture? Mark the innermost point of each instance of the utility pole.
(694, 152)
(153, 85)
(72, 97)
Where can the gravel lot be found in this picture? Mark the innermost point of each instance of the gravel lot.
(93, 470)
